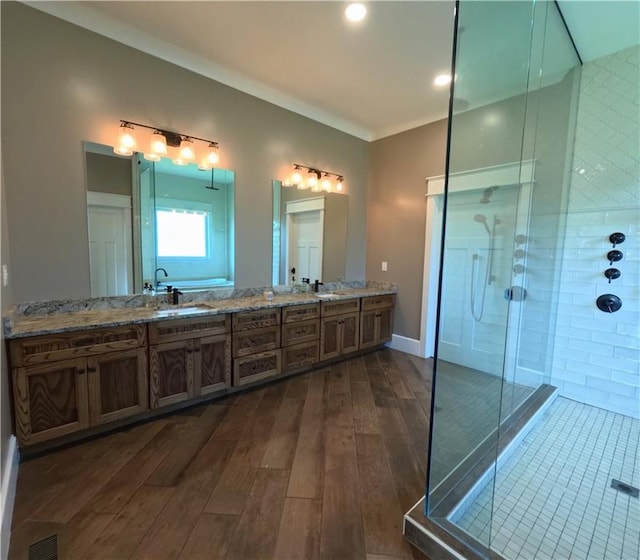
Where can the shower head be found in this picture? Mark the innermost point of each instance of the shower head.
(486, 195)
(482, 219)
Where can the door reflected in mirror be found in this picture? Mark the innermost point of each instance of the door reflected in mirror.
(157, 223)
(309, 235)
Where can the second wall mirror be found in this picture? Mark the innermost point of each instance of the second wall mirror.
(309, 235)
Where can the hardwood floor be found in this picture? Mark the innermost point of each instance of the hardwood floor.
(320, 466)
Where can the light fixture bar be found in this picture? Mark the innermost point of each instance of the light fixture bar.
(318, 172)
(173, 138)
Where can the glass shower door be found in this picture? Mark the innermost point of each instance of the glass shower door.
(508, 158)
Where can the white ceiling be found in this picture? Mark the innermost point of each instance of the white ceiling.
(371, 79)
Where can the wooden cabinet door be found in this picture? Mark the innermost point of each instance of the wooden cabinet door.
(329, 337)
(212, 363)
(349, 331)
(368, 336)
(385, 325)
(117, 383)
(50, 400)
(171, 373)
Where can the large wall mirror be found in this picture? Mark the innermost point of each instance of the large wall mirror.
(309, 235)
(157, 223)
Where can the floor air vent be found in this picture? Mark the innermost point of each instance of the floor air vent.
(625, 488)
(46, 549)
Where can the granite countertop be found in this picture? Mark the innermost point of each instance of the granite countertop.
(17, 325)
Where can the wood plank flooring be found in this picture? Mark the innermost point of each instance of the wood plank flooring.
(320, 466)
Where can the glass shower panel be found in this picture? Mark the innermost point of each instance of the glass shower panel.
(548, 144)
(482, 197)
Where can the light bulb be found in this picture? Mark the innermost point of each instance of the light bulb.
(339, 184)
(288, 181)
(213, 155)
(442, 80)
(312, 180)
(187, 152)
(355, 12)
(296, 178)
(126, 140)
(157, 147)
(326, 184)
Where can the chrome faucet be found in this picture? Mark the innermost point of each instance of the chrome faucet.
(165, 275)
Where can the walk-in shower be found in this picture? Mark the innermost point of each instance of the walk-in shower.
(535, 435)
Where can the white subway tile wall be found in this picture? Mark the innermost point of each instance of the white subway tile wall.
(597, 355)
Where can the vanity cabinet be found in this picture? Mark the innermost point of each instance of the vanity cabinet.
(339, 328)
(376, 321)
(188, 358)
(300, 337)
(71, 381)
(256, 345)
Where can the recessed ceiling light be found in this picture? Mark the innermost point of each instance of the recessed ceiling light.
(355, 12)
(442, 80)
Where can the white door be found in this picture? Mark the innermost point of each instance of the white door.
(304, 235)
(110, 245)
(478, 264)
(305, 244)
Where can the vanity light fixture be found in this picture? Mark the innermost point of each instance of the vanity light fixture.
(160, 139)
(317, 180)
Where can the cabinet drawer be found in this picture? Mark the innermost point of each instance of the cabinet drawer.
(378, 302)
(295, 313)
(300, 356)
(183, 329)
(62, 346)
(330, 308)
(256, 366)
(296, 333)
(256, 340)
(256, 319)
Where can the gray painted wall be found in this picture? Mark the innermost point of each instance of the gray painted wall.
(396, 214)
(108, 174)
(63, 84)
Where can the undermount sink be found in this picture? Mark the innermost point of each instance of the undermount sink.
(179, 310)
(326, 296)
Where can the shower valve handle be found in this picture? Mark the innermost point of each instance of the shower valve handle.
(612, 274)
(617, 238)
(614, 256)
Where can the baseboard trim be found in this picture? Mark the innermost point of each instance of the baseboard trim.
(405, 344)
(9, 481)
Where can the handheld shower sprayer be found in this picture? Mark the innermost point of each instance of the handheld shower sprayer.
(482, 219)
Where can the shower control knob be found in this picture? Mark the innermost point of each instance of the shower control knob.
(612, 274)
(614, 256)
(609, 303)
(617, 238)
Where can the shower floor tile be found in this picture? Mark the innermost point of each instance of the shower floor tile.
(553, 498)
